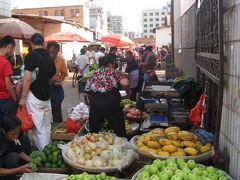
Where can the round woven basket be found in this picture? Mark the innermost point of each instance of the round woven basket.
(135, 175)
(198, 158)
(96, 169)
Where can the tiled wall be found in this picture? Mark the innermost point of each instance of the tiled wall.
(230, 126)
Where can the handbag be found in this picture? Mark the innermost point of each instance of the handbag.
(26, 119)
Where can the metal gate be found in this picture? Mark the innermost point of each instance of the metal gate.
(209, 59)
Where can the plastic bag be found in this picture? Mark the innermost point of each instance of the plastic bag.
(26, 118)
(72, 126)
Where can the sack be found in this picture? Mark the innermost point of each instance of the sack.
(26, 118)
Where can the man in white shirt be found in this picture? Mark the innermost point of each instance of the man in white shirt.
(82, 62)
(99, 54)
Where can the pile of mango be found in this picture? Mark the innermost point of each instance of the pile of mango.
(172, 142)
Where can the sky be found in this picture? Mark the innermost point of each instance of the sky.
(130, 10)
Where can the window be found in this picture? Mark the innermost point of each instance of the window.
(145, 20)
(145, 25)
(62, 12)
(163, 19)
(151, 14)
(145, 36)
(45, 13)
(151, 36)
(157, 19)
(157, 25)
(40, 13)
(151, 30)
(163, 13)
(151, 25)
(151, 19)
(56, 13)
(72, 12)
(145, 31)
(144, 14)
(169, 13)
(77, 12)
(157, 13)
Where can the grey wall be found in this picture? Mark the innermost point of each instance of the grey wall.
(184, 40)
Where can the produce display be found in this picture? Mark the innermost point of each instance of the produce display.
(179, 169)
(99, 150)
(93, 67)
(88, 75)
(106, 126)
(79, 112)
(50, 157)
(172, 142)
(127, 104)
(86, 176)
(136, 113)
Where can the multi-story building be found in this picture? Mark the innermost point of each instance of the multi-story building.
(77, 13)
(115, 23)
(153, 18)
(5, 8)
(98, 21)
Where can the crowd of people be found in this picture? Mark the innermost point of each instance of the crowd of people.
(42, 94)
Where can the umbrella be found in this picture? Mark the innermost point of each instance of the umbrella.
(16, 28)
(117, 40)
(65, 37)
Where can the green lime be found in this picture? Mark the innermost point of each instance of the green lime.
(55, 153)
(53, 165)
(50, 158)
(54, 159)
(47, 165)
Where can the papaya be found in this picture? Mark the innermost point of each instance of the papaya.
(180, 149)
(195, 137)
(139, 144)
(189, 144)
(172, 136)
(146, 139)
(170, 148)
(151, 150)
(207, 147)
(144, 148)
(176, 143)
(178, 153)
(199, 145)
(157, 131)
(191, 151)
(156, 137)
(172, 129)
(185, 136)
(163, 153)
(164, 142)
(153, 144)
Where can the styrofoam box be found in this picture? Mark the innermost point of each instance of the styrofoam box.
(41, 176)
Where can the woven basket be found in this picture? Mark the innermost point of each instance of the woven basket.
(198, 158)
(135, 175)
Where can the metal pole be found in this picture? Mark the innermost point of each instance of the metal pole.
(172, 27)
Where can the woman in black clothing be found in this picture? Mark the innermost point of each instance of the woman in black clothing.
(14, 145)
(103, 88)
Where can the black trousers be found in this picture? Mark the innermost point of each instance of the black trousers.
(107, 106)
(8, 107)
(57, 113)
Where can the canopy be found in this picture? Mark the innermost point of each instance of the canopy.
(16, 28)
(65, 37)
(117, 40)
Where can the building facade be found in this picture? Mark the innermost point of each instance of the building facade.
(115, 24)
(78, 13)
(153, 18)
(5, 8)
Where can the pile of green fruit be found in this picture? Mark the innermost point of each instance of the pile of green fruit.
(88, 75)
(93, 67)
(86, 176)
(38, 159)
(53, 156)
(179, 169)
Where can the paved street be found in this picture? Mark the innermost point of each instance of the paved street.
(71, 96)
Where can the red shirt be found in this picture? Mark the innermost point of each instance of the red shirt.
(5, 70)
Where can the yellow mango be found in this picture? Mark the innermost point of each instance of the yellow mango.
(139, 144)
(176, 143)
(191, 151)
(172, 136)
(163, 153)
(172, 129)
(144, 148)
(185, 136)
(178, 153)
(146, 139)
(208, 144)
(170, 148)
(153, 144)
(156, 137)
(189, 144)
(180, 149)
(164, 142)
(199, 145)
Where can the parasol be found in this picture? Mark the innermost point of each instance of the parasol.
(65, 37)
(118, 40)
(16, 28)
